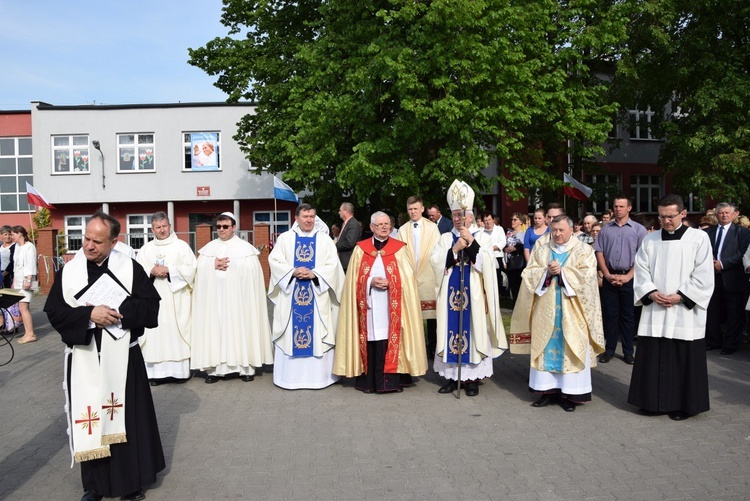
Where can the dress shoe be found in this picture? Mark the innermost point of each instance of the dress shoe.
(604, 358)
(134, 496)
(567, 405)
(629, 359)
(247, 379)
(471, 389)
(678, 416)
(728, 351)
(449, 387)
(211, 379)
(91, 496)
(544, 400)
(709, 347)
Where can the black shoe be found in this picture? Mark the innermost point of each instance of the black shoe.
(544, 400)
(134, 496)
(728, 351)
(678, 416)
(604, 358)
(709, 347)
(247, 379)
(629, 359)
(211, 379)
(567, 405)
(91, 496)
(449, 387)
(471, 389)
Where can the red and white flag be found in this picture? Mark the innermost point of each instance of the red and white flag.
(575, 189)
(36, 198)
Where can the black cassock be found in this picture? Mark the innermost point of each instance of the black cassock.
(133, 464)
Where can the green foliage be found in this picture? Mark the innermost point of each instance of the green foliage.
(377, 100)
(689, 61)
(42, 219)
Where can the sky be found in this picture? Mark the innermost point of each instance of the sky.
(105, 52)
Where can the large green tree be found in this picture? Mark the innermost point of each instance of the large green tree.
(690, 61)
(380, 99)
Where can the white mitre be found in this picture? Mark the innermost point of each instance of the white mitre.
(460, 196)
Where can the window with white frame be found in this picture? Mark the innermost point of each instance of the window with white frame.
(607, 186)
(646, 192)
(640, 123)
(70, 154)
(138, 227)
(15, 172)
(75, 226)
(201, 151)
(278, 221)
(135, 153)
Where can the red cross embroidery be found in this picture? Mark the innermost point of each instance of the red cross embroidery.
(111, 406)
(88, 420)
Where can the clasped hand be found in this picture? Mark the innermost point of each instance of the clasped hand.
(554, 268)
(665, 300)
(303, 273)
(104, 316)
(221, 263)
(380, 283)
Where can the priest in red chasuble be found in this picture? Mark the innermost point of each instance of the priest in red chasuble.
(379, 339)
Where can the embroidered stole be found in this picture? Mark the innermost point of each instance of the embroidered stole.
(303, 299)
(555, 350)
(96, 396)
(388, 255)
(456, 299)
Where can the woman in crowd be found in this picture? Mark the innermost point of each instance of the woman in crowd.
(24, 272)
(533, 234)
(513, 260)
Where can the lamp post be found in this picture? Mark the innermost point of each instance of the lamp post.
(98, 147)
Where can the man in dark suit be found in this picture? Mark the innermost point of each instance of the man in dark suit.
(349, 236)
(729, 243)
(444, 225)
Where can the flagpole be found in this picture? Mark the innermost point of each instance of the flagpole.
(31, 226)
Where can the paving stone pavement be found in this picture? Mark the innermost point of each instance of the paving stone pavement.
(237, 440)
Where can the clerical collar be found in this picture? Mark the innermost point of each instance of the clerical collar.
(675, 235)
(379, 244)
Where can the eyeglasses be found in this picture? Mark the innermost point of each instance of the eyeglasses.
(382, 225)
(223, 226)
(664, 218)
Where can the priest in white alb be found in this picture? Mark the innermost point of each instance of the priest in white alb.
(231, 331)
(674, 281)
(477, 335)
(421, 236)
(170, 263)
(305, 289)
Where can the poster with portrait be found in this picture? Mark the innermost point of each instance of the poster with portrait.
(205, 152)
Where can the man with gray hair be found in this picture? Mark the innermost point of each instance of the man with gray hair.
(728, 243)
(379, 339)
(558, 318)
(170, 263)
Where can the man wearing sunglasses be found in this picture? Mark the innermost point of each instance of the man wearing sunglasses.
(231, 332)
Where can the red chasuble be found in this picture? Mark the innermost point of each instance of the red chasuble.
(388, 254)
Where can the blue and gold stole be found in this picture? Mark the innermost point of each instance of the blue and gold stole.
(303, 299)
(554, 352)
(455, 299)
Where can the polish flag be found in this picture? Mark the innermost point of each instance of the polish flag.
(575, 189)
(36, 198)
